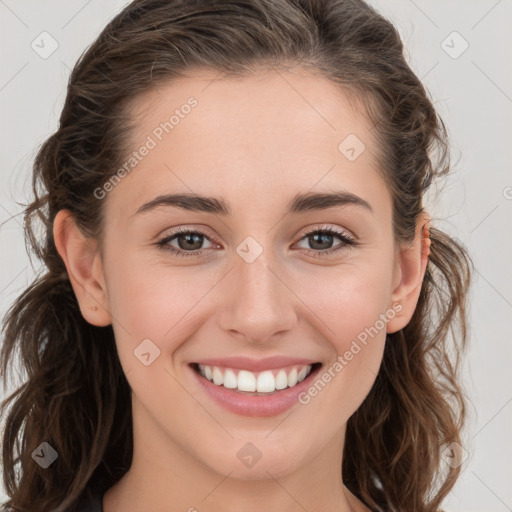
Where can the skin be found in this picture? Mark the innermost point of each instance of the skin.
(254, 141)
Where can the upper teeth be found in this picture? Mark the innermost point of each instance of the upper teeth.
(264, 382)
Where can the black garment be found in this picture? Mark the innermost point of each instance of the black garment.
(92, 502)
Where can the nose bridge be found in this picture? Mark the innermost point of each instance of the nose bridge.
(256, 304)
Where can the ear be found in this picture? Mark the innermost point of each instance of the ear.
(85, 270)
(411, 264)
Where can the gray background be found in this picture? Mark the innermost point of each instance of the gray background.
(473, 94)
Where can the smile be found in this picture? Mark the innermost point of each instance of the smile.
(267, 392)
(264, 382)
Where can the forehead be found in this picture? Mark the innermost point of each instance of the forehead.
(271, 130)
(311, 107)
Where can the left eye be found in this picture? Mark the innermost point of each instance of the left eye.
(324, 236)
(189, 241)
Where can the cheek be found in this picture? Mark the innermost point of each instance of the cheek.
(159, 304)
(354, 310)
(349, 302)
(151, 298)
(149, 301)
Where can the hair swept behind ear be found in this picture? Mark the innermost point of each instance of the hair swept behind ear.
(416, 407)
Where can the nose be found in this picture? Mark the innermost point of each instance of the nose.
(255, 302)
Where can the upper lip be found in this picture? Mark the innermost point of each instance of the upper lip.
(255, 365)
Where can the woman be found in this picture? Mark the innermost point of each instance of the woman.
(246, 305)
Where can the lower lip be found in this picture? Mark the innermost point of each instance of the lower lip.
(255, 405)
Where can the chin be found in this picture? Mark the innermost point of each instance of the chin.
(258, 460)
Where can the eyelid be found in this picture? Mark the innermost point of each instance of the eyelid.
(327, 227)
(348, 240)
(203, 230)
(189, 228)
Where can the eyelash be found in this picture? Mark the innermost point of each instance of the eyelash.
(346, 242)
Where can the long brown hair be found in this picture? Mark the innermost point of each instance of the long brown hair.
(75, 396)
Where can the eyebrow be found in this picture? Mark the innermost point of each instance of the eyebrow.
(310, 201)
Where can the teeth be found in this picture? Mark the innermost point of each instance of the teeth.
(230, 379)
(264, 382)
(246, 381)
(281, 380)
(218, 377)
(292, 378)
(302, 375)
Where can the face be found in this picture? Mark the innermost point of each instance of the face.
(256, 292)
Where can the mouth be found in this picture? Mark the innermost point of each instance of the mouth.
(263, 383)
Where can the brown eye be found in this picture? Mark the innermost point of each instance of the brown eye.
(321, 240)
(189, 242)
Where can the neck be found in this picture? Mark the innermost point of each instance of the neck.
(162, 474)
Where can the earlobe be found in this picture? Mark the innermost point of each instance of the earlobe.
(84, 267)
(412, 262)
